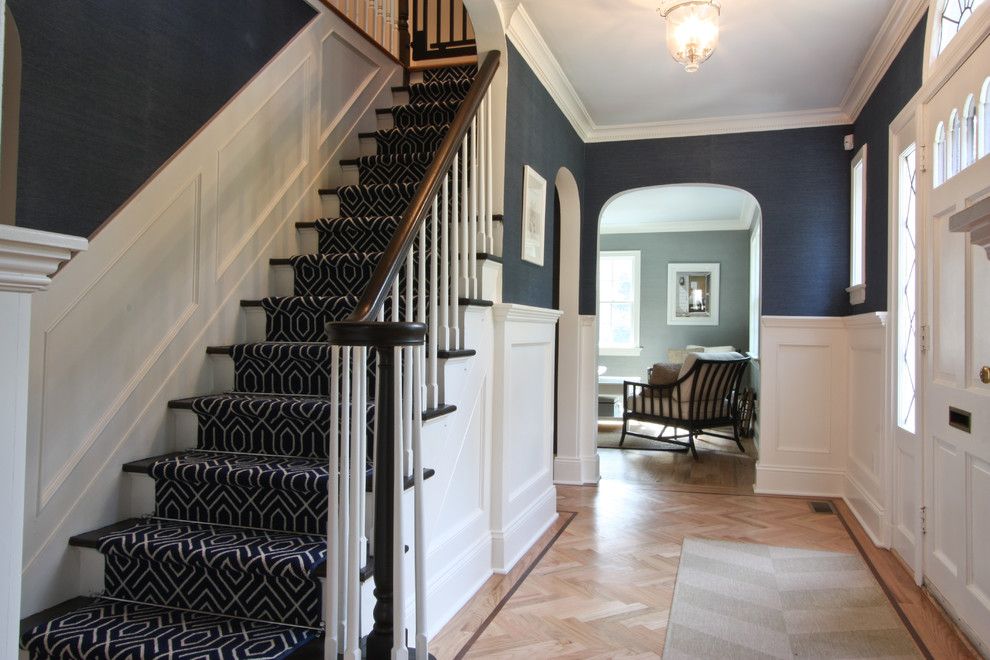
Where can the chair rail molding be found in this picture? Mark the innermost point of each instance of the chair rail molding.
(28, 259)
(524, 501)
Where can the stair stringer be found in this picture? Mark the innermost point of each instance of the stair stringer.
(110, 349)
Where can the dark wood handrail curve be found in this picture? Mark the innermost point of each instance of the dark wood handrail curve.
(418, 209)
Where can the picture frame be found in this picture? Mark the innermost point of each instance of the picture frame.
(533, 228)
(692, 293)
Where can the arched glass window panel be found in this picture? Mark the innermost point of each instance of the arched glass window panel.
(984, 119)
(938, 160)
(952, 15)
(955, 145)
(969, 132)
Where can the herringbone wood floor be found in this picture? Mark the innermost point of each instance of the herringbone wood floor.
(603, 589)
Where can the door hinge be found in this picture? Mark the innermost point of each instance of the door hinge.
(922, 161)
(924, 520)
(923, 338)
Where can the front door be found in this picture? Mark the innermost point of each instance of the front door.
(957, 403)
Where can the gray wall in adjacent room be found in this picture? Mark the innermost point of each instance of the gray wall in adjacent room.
(730, 249)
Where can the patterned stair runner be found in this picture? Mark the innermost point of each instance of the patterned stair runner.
(230, 563)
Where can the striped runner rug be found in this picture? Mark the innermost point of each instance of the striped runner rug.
(746, 600)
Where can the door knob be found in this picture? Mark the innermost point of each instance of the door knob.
(985, 375)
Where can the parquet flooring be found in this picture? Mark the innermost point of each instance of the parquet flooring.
(722, 468)
(604, 587)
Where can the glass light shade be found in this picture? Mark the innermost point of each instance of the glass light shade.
(692, 31)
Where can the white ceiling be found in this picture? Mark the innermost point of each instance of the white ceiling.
(687, 207)
(792, 57)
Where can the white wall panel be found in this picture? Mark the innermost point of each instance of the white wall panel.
(123, 329)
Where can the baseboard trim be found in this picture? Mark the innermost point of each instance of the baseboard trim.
(510, 544)
(576, 471)
(870, 515)
(473, 568)
(800, 481)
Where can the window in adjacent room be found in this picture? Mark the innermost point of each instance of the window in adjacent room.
(618, 306)
(857, 229)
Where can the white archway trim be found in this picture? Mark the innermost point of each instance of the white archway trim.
(576, 460)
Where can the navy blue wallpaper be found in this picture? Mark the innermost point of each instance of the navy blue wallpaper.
(539, 135)
(112, 88)
(800, 178)
(895, 89)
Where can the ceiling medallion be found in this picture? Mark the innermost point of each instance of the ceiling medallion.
(692, 30)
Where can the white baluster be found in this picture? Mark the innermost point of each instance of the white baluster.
(333, 581)
(433, 342)
(455, 249)
(419, 516)
(380, 22)
(482, 180)
(422, 304)
(369, 18)
(490, 209)
(399, 651)
(407, 379)
(464, 245)
(473, 227)
(357, 467)
(396, 301)
(387, 37)
(359, 418)
(444, 283)
(395, 27)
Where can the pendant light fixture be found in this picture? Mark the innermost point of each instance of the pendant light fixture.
(692, 30)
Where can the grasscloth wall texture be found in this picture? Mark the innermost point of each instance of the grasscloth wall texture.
(112, 88)
(895, 89)
(540, 136)
(799, 177)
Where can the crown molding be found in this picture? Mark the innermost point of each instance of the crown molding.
(29, 257)
(769, 121)
(534, 49)
(896, 28)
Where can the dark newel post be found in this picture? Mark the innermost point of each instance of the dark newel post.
(380, 638)
(405, 51)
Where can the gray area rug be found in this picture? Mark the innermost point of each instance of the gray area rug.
(746, 600)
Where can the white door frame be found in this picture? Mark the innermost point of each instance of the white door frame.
(905, 519)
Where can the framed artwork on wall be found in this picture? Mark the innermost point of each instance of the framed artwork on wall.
(533, 216)
(692, 294)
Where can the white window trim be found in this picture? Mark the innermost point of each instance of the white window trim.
(636, 350)
(857, 290)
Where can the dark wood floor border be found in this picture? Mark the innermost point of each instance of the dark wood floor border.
(883, 585)
(515, 587)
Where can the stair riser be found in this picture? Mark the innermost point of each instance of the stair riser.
(265, 378)
(339, 277)
(355, 234)
(407, 143)
(286, 437)
(289, 600)
(386, 172)
(409, 116)
(295, 320)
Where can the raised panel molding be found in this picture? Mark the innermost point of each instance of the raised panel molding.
(341, 62)
(258, 164)
(118, 328)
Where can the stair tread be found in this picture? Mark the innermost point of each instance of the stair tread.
(153, 631)
(419, 107)
(247, 470)
(217, 547)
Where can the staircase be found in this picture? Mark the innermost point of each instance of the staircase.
(259, 541)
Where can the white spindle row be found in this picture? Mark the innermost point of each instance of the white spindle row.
(379, 19)
(440, 269)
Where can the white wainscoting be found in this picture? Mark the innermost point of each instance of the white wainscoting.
(576, 460)
(822, 430)
(123, 328)
(803, 409)
(524, 500)
(868, 465)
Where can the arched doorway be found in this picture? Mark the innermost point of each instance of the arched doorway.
(646, 238)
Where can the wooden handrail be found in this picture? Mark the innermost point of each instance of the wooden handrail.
(415, 215)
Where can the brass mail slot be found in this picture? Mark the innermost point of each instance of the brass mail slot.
(960, 419)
